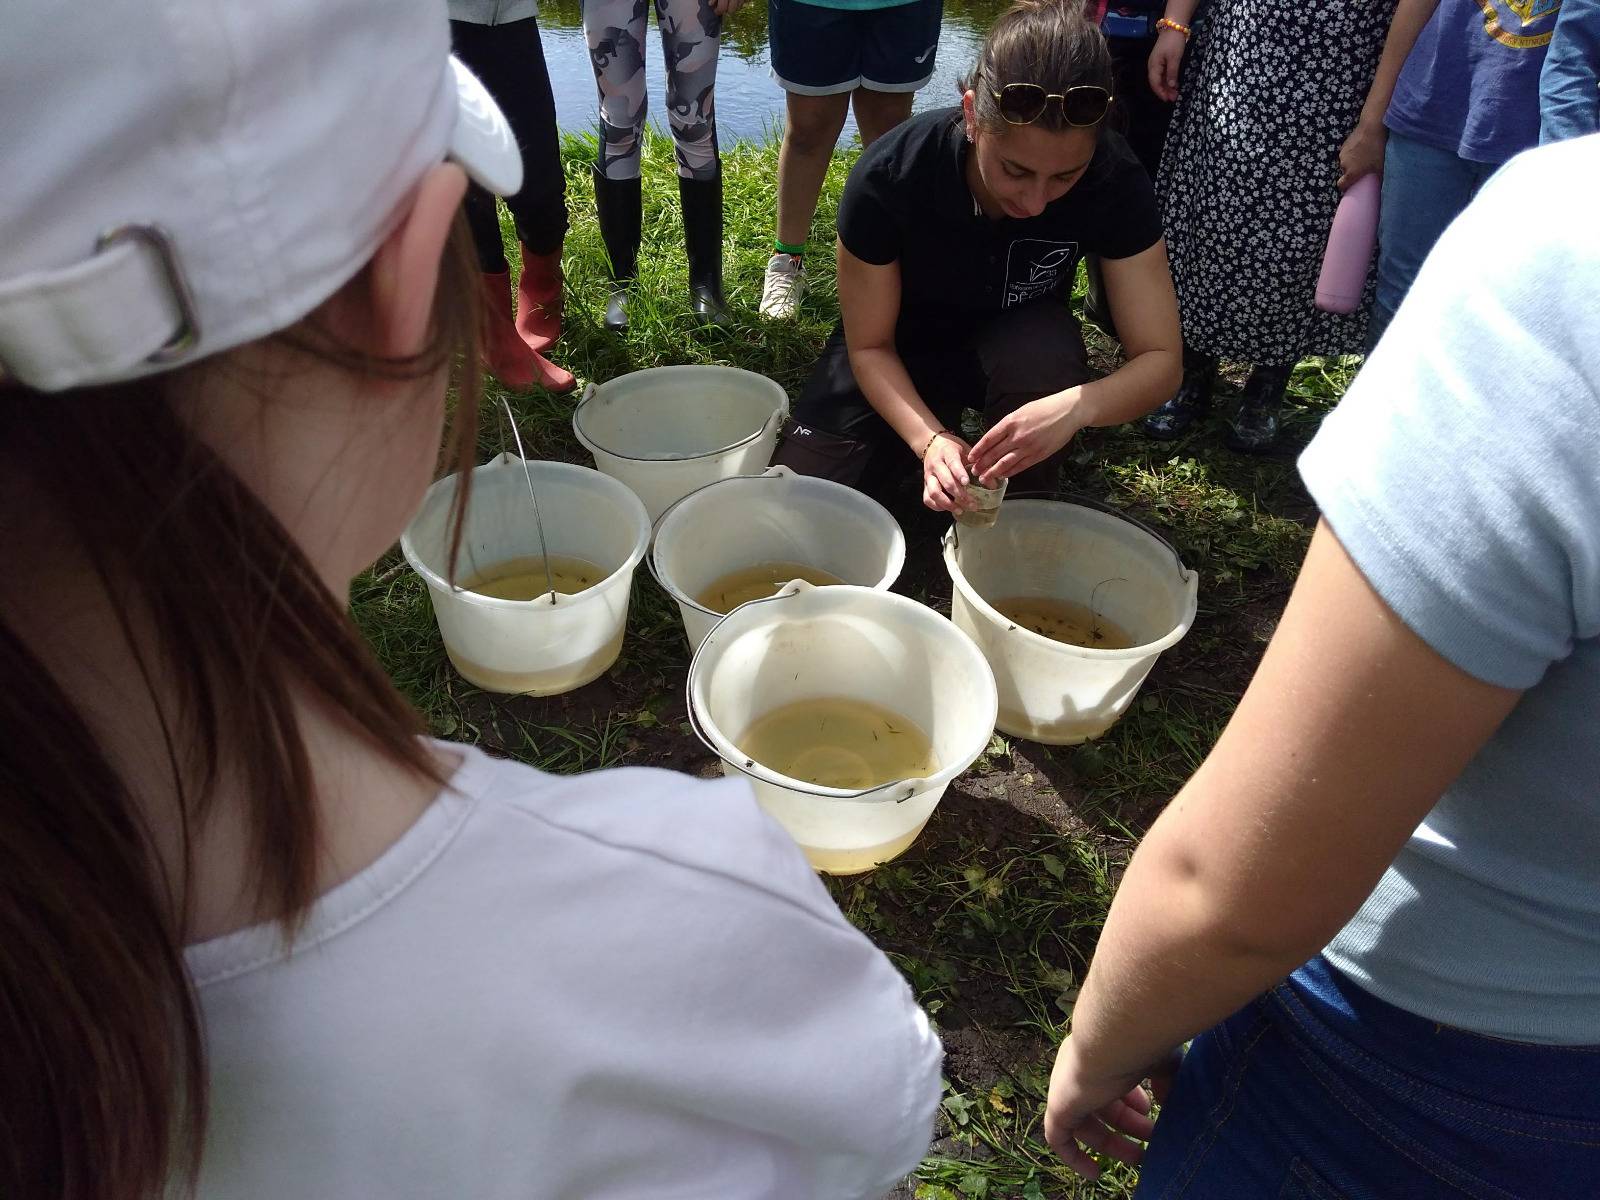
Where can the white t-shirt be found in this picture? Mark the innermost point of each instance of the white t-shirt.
(622, 984)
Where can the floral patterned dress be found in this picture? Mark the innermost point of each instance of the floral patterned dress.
(1268, 92)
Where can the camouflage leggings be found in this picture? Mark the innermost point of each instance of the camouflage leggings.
(690, 33)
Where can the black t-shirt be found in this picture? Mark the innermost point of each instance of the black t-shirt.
(907, 201)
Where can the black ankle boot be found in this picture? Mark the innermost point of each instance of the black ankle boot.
(702, 238)
(1191, 402)
(619, 205)
(1253, 428)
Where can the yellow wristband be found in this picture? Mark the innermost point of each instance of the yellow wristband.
(937, 435)
(1164, 23)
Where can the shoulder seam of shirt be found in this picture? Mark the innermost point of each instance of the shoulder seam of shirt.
(743, 883)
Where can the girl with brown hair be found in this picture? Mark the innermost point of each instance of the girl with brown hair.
(960, 234)
(258, 935)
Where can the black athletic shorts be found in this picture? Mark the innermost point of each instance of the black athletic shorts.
(819, 51)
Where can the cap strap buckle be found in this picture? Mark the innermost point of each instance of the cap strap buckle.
(122, 311)
(156, 238)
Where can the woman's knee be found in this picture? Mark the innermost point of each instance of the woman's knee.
(1037, 348)
(812, 124)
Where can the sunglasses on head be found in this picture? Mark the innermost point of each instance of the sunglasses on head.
(1025, 103)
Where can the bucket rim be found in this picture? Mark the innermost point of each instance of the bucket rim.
(775, 473)
(505, 461)
(1189, 578)
(780, 413)
(896, 791)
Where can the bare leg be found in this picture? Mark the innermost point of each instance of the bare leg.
(810, 130)
(879, 112)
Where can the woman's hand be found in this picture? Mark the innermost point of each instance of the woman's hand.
(1362, 152)
(1164, 62)
(1028, 436)
(726, 8)
(1110, 1117)
(944, 474)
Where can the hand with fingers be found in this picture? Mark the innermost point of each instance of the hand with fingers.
(944, 474)
(1110, 1116)
(1023, 438)
(1165, 59)
(1362, 153)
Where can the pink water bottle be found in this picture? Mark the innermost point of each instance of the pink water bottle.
(1350, 244)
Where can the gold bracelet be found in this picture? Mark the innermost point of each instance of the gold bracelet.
(937, 435)
(1165, 23)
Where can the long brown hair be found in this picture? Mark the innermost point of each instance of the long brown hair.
(102, 1070)
(1052, 43)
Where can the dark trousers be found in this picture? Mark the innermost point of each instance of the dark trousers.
(1143, 117)
(1004, 362)
(509, 59)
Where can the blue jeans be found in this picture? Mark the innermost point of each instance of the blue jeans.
(1321, 1091)
(1424, 189)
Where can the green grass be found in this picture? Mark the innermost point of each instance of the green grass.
(994, 913)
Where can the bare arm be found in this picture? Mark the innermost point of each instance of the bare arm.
(1362, 152)
(1145, 309)
(1167, 54)
(1350, 731)
(869, 300)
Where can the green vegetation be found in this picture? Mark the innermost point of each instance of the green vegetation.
(994, 912)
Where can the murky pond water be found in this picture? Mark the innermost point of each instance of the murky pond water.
(749, 103)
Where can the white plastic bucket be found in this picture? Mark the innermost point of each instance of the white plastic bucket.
(531, 646)
(1051, 692)
(667, 431)
(809, 643)
(776, 516)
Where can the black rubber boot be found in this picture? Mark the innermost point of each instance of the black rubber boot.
(619, 205)
(1191, 402)
(1253, 428)
(702, 238)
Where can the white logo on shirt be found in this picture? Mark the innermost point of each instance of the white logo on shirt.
(1035, 268)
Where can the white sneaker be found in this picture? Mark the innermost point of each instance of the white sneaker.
(785, 284)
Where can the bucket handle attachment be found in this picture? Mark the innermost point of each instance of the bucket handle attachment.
(793, 588)
(1099, 506)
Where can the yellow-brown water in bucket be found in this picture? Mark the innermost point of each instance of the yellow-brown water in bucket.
(845, 744)
(839, 743)
(757, 583)
(525, 579)
(1065, 622)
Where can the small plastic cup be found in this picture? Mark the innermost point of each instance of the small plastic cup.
(988, 505)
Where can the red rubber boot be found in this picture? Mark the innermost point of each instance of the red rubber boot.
(507, 356)
(510, 359)
(539, 299)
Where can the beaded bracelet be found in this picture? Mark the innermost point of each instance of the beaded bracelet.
(1164, 23)
(937, 435)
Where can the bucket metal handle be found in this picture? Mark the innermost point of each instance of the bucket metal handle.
(655, 527)
(793, 588)
(1110, 510)
(533, 495)
(779, 414)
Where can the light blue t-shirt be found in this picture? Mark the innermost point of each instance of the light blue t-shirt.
(1462, 474)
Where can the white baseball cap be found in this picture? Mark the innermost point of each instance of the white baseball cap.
(185, 176)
